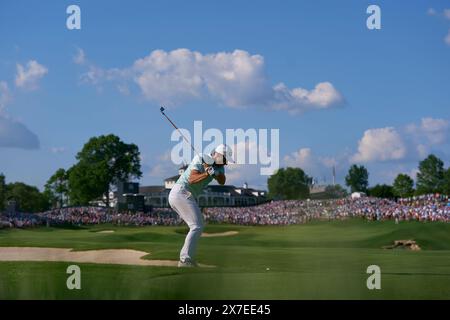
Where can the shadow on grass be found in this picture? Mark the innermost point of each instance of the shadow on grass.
(68, 226)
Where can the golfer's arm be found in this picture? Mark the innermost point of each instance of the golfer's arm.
(220, 179)
(196, 176)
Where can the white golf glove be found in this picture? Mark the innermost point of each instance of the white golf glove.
(211, 171)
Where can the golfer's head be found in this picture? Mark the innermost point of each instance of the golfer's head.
(221, 154)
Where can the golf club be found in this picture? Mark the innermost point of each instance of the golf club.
(179, 131)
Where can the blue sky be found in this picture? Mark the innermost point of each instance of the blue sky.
(386, 105)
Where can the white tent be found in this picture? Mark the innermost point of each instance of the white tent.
(357, 195)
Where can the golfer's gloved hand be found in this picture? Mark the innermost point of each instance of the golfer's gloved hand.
(210, 170)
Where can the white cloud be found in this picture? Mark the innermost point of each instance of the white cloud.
(93, 76)
(447, 38)
(180, 75)
(5, 95)
(406, 145)
(380, 144)
(234, 79)
(80, 57)
(123, 89)
(304, 159)
(58, 150)
(162, 171)
(436, 130)
(433, 131)
(14, 134)
(298, 100)
(160, 167)
(301, 158)
(446, 14)
(318, 167)
(165, 156)
(249, 173)
(329, 162)
(422, 150)
(27, 77)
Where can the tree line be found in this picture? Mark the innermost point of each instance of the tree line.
(102, 163)
(432, 177)
(105, 160)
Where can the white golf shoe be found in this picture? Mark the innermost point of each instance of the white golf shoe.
(187, 264)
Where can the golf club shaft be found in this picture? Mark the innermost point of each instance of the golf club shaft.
(179, 131)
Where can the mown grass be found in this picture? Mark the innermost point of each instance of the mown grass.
(320, 260)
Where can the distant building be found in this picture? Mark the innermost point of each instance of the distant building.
(126, 197)
(213, 195)
(129, 198)
(230, 196)
(317, 188)
(155, 196)
(170, 182)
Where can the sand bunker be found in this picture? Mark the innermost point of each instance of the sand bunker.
(219, 234)
(109, 256)
(404, 244)
(106, 231)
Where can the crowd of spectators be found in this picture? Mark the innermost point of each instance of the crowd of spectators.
(433, 207)
(89, 216)
(271, 213)
(19, 220)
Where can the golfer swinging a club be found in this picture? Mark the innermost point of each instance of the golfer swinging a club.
(182, 198)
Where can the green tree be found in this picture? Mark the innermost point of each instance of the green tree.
(56, 188)
(28, 198)
(2, 192)
(85, 183)
(446, 188)
(104, 161)
(381, 191)
(289, 183)
(403, 186)
(430, 178)
(335, 192)
(357, 178)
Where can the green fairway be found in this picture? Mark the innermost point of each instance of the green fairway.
(320, 260)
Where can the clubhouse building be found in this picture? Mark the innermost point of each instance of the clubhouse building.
(214, 195)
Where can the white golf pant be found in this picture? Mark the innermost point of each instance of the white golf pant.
(182, 201)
